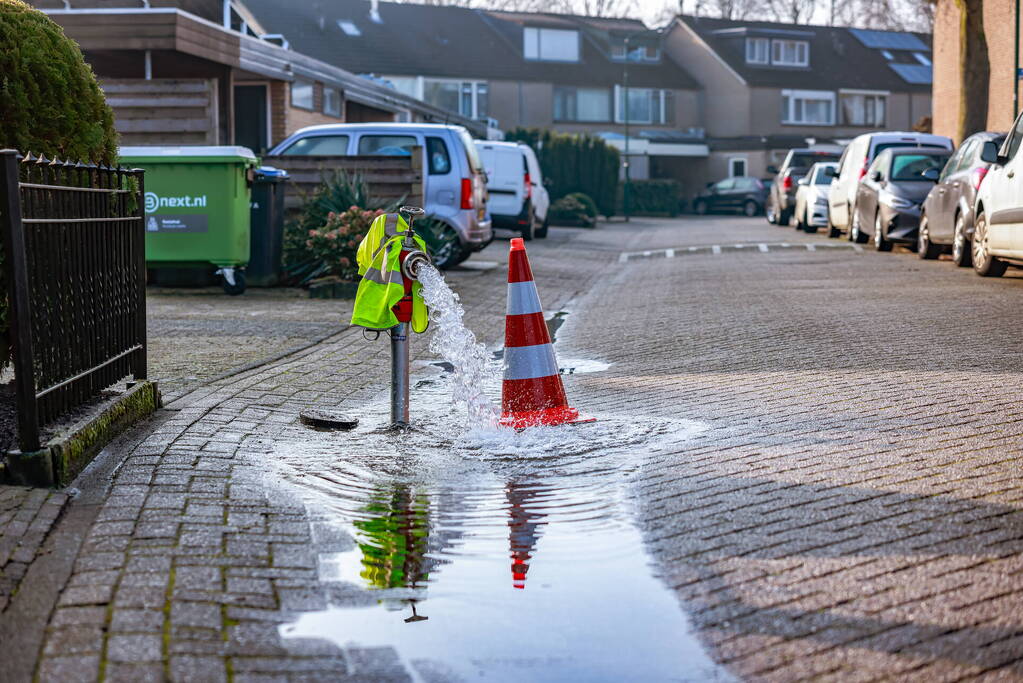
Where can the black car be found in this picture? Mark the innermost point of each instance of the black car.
(781, 197)
(888, 198)
(741, 193)
(947, 221)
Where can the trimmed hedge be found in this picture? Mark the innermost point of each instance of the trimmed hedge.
(574, 163)
(50, 102)
(573, 209)
(655, 197)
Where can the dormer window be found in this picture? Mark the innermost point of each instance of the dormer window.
(758, 51)
(550, 44)
(790, 53)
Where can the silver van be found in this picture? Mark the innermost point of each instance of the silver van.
(454, 184)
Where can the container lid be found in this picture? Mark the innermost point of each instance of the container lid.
(197, 154)
(271, 173)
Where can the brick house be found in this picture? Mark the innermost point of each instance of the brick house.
(999, 30)
(512, 69)
(768, 87)
(210, 72)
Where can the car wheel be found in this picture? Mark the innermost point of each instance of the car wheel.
(855, 234)
(445, 247)
(807, 228)
(750, 208)
(880, 243)
(924, 248)
(984, 263)
(700, 207)
(541, 232)
(961, 255)
(770, 213)
(784, 217)
(833, 232)
(530, 227)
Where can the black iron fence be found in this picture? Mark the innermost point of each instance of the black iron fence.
(74, 258)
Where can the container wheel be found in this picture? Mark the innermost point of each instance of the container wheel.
(239, 284)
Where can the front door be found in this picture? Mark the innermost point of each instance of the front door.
(250, 117)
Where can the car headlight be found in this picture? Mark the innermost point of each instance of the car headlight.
(898, 202)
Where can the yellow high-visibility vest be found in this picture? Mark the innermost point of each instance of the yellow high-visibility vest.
(382, 286)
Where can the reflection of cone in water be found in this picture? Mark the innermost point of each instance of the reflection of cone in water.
(532, 393)
(524, 529)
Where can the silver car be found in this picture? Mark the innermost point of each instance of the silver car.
(454, 183)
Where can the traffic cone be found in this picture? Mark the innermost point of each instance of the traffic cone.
(532, 393)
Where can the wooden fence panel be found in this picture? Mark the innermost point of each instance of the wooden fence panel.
(164, 111)
(388, 177)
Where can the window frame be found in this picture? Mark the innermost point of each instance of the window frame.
(477, 88)
(537, 42)
(781, 43)
(662, 113)
(745, 167)
(575, 94)
(876, 94)
(312, 94)
(814, 95)
(340, 101)
(756, 43)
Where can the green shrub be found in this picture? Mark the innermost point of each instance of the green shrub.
(50, 102)
(655, 197)
(574, 209)
(316, 239)
(574, 163)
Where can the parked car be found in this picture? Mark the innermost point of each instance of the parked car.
(744, 194)
(781, 199)
(889, 197)
(947, 220)
(812, 196)
(454, 185)
(858, 156)
(998, 223)
(518, 198)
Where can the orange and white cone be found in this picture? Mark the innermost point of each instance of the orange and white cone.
(532, 393)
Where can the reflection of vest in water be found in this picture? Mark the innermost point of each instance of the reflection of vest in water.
(382, 285)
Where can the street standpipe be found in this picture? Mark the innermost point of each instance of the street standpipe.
(412, 260)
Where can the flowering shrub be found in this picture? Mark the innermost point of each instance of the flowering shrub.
(330, 250)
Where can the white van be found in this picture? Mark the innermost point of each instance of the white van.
(853, 165)
(518, 199)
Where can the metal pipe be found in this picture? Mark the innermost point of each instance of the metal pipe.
(399, 375)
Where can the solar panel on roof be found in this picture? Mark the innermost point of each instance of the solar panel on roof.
(892, 40)
(916, 74)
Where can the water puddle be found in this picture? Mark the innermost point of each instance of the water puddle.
(483, 553)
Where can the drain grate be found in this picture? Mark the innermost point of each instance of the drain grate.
(717, 249)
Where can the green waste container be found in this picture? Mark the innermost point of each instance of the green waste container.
(197, 208)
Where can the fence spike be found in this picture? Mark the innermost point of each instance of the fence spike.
(28, 158)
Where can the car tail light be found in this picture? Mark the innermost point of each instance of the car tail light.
(786, 182)
(977, 176)
(529, 187)
(866, 164)
(467, 202)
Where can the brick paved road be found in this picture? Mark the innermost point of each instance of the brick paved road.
(852, 510)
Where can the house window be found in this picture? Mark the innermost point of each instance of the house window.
(302, 94)
(468, 98)
(922, 58)
(331, 101)
(349, 28)
(757, 50)
(737, 167)
(550, 44)
(864, 109)
(637, 53)
(646, 105)
(582, 104)
(809, 107)
(790, 52)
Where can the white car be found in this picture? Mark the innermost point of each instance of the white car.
(998, 213)
(811, 210)
(860, 153)
(518, 199)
